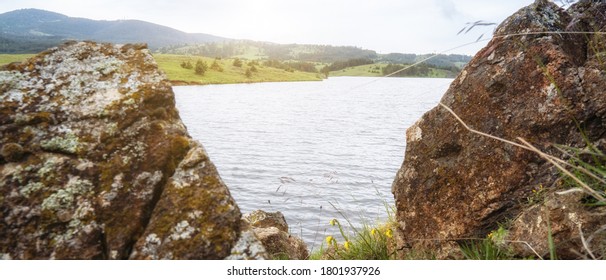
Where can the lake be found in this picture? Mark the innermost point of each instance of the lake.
(311, 150)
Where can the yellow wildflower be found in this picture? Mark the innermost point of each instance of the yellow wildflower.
(346, 245)
(389, 233)
(329, 239)
(333, 222)
(373, 231)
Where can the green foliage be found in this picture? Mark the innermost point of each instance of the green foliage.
(248, 73)
(291, 66)
(215, 66)
(201, 67)
(493, 247)
(187, 65)
(538, 195)
(237, 62)
(483, 250)
(587, 166)
(366, 243)
(419, 70)
(340, 65)
(8, 58)
(253, 69)
(170, 64)
(326, 71)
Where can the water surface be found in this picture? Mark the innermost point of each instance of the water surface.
(312, 150)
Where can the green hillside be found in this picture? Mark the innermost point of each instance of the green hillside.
(171, 65)
(384, 69)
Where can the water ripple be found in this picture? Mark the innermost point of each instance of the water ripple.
(302, 148)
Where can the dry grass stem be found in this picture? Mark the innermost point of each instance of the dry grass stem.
(585, 245)
(527, 146)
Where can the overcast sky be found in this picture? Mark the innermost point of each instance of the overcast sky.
(385, 26)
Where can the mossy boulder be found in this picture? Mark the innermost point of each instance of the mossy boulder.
(98, 165)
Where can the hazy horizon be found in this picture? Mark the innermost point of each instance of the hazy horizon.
(385, 26)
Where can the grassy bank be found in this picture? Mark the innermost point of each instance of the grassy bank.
(375, 70)
(228, 73)
(8, 58)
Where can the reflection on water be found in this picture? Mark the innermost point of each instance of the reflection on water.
(312, 150)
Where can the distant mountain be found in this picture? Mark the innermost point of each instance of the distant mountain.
(33, 30)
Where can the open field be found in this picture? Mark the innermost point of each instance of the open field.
(374, 70)
(170, 64)
(8, 58)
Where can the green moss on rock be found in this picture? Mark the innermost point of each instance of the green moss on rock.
(12, 152)
(105, 149)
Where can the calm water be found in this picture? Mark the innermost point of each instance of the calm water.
(312, 150)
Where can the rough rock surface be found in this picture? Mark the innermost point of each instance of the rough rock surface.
(248, 247)
(96, 163)
(272, 230)
(528, 82)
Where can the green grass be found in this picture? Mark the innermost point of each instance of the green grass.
(370, 242)
(369, 70)
(366, 243)
(170, 64)
(8, 58)
(374, 70)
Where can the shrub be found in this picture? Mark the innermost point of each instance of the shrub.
(237, 62)
(186, 65)
(201, 67)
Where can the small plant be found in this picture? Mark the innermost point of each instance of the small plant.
(493, 247)
(537, 196)
(587, 165)
(365, 243)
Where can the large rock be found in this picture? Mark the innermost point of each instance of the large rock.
(96, 163)
(529, 82)
(272, 231)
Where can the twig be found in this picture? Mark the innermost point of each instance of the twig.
(549, 158)
(479, 132)
(527, 146)
(585, 245)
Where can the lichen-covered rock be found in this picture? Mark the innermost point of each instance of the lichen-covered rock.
(272, 230)
(262, 219)
(527, 82)
(97, 164)
(248, 247)
(568, 222)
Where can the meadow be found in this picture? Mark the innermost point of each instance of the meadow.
(228, 73)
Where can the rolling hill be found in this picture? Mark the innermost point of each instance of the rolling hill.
(33, 30)
(30, 31)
